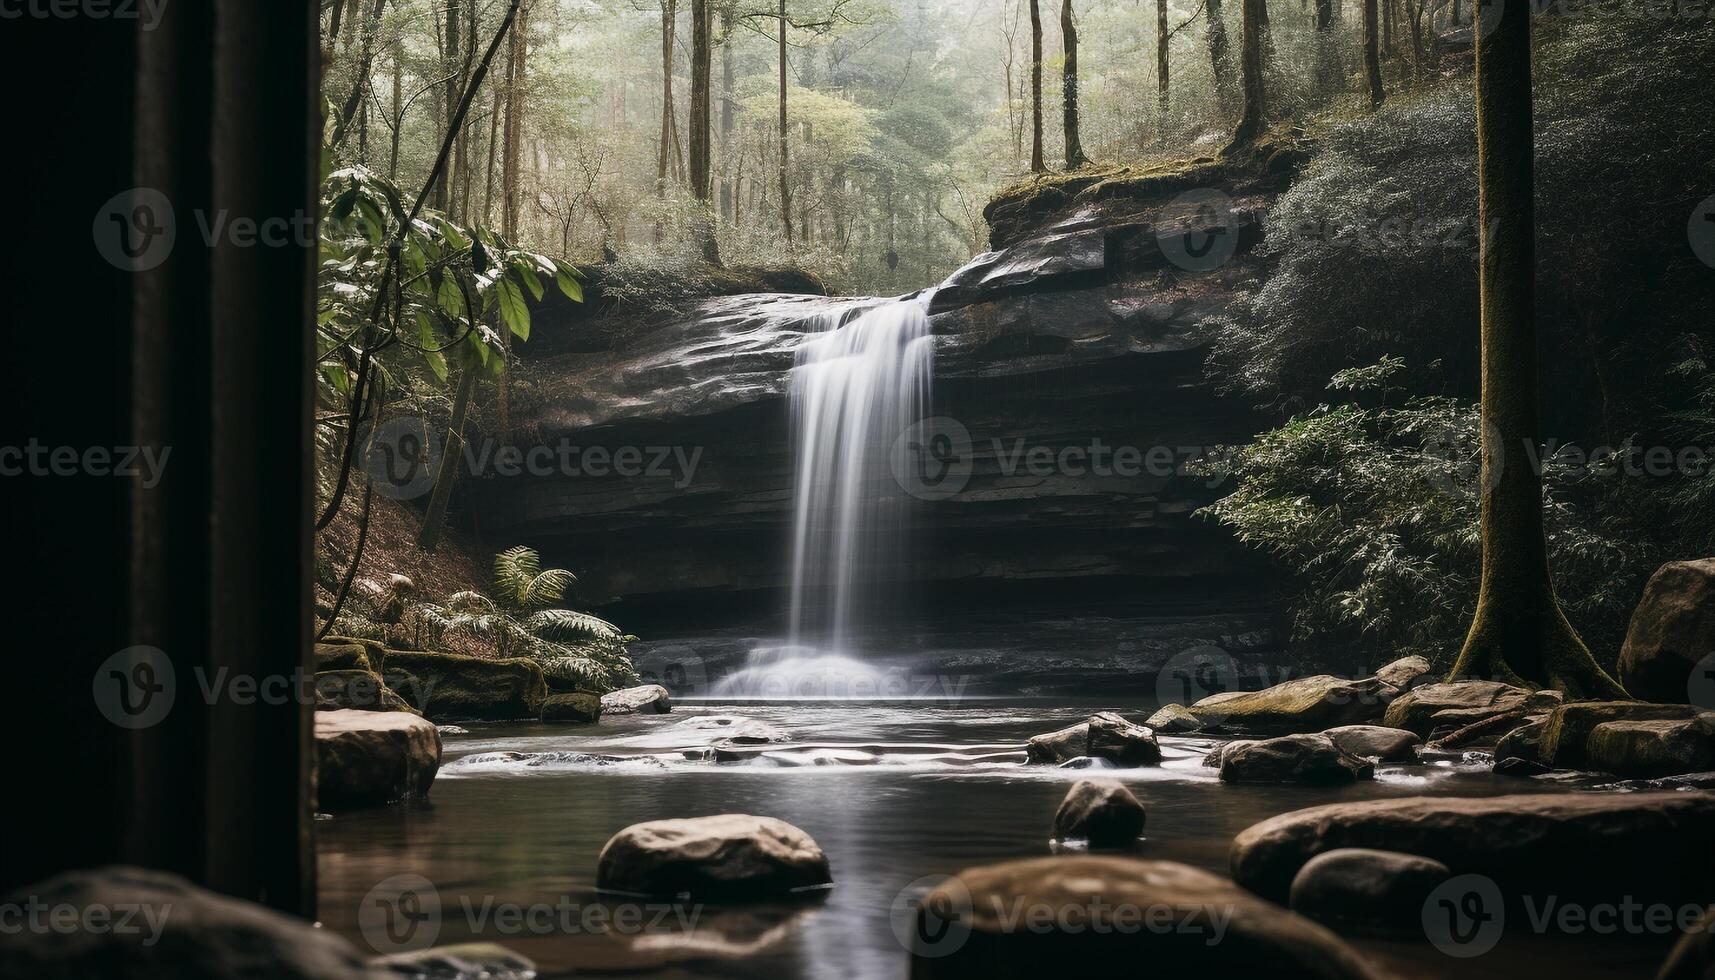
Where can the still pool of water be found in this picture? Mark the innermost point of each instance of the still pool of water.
(893, 792)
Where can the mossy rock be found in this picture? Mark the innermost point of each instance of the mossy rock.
(1298, 707)
(1566, 738)
(576, 706)
(455, 687)
(1651, 749)
(343, 654)
(360, 690)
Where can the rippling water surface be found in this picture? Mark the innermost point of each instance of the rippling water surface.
(893, 792)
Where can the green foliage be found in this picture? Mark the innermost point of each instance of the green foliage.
(523, 619)
(1372, 503)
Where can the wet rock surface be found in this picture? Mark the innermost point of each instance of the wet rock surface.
(1100, 811)
(1353, 889)
(1104, 735)
(727, 857)
(1672, 631)
(371, 758)
(1313, 760)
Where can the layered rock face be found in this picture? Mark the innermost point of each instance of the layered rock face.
(1073, 358)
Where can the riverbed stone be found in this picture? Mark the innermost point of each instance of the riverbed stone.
(371, 758)
(1565, 741)
(1523, 743)
(578, 707)
(1101, 811)
(1173, 719)
(1404, 673)
(180, 931)
(360, 690)
(733, 856)
(1104, 735)
(1304, 705)
(1090, 926)
(650, 699)
(343, 655)
(1376, 742)
(1307, 759)
(1452, 705)
(456, 687)
(1355, 888)
(1650, 749)
(1671, 632)
(459, 961)
(1583, 847)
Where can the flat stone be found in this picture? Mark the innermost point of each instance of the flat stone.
(732, 856)
(1428, 707)
(1565, 739)
(1301, 706)
(1360, 888)
(371, 758)
(1582, 847)
(1376, 742)
(1101, 811)
(1305, 759)
(1652, 749)
(650, 699)
(965, 929)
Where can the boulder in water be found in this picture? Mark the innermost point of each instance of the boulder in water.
(1101, 811)
(1566, 740)
(1103, 736)
(1307, 704)
(650, 699)
(371, 758)
(580, 707)
(1307, 759)
(1650, 749)
(1356, 887)
(1104, 916)
(1597, 847)
(1376, 742)
(733, 856)
(1450, 705)
(1173, 719)
(179, 930)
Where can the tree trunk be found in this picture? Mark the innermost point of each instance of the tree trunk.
(366, 57)
(493, 143)
(1250, 63)
(510, 195)
(1161, 38)
(728, 79)
(668, 142)
(785, 149)
(1220, 54)
(1520, 632)
(451, 55)
(451, 453)
(1037, 163)
(1372, 55)
(1324, 16)
(701, 155)
(1075, 157)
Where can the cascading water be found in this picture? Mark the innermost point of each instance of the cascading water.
(856, 389)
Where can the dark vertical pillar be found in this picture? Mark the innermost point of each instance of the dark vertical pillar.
(201, 352)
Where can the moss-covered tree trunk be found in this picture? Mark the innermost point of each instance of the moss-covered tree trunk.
(1372, 54)
(1220, 54)
(1038, 163)
(1520, 633)
(1075, 157)
(1253, 120)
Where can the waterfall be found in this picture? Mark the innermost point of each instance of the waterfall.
(856, 388)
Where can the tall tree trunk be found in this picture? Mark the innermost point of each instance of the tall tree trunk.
(1220, 54)
(493, 142)
(701, 155)
(452, 55)
(1075, 157)
(1520, 632)
(1254, 118)
(1161, 39)
(435, 518)
(1037, 163)
(663, 159)
(398, 112)
(365, 58)
(1372, 55)
(728, 79)
(510, 195)
(785, 149)
(1324, 16)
